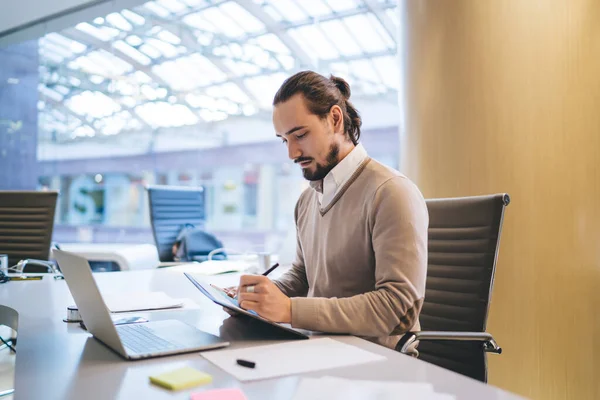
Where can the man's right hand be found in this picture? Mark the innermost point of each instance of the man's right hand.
(231, 291)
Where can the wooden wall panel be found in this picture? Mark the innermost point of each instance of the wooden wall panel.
(504, 96)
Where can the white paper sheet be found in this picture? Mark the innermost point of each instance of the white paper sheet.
(333, 388)
(140, 301)
(290, 358)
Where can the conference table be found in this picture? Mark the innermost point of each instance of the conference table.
(59, 360)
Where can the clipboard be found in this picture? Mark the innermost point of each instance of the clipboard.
(220, 298)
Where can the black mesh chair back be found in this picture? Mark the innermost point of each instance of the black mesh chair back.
(26, 225)
(171, 209)
(464, 237)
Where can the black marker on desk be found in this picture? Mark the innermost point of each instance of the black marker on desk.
(247, 364)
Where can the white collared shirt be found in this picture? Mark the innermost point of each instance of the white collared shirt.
(339, 175)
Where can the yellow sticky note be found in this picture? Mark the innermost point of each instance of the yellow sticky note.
(182, 378)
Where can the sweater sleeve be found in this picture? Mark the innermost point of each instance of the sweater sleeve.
(398, 220)
(294, 282)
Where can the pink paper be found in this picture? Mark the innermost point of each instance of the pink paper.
(220, 394)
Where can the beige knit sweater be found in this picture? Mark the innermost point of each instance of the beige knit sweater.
(361, 262)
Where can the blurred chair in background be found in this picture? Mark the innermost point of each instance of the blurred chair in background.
(26, 225)
(177, 215)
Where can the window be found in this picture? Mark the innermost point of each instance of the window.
(179, 92)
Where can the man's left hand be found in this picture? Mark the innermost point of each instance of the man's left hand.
(258, 293)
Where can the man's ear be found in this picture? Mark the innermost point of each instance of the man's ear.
(337, 118)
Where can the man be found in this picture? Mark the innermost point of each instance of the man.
(361, 227)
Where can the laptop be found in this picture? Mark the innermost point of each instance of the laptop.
(219, 297)
(131, 341)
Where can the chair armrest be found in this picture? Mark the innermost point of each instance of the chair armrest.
(489, 344)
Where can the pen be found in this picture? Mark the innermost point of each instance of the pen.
(267, 272)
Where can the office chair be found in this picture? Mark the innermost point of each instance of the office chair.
(26, 224)
(10, 318)
(464, 237)
(172, 209)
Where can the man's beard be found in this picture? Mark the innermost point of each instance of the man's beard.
(322, 170)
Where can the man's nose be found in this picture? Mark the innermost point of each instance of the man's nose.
(293, 150)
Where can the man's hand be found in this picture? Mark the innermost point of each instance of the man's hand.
(231, 291)
(258, 293)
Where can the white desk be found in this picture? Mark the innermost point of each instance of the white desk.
(56, 360)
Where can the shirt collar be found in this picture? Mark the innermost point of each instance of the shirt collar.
(342, 171)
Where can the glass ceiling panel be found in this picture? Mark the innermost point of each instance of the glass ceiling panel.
(263, 88)
(272, 12)
(383, 33)
(393, 14)
(224, 23)
(173, 6)
(93, 104)
(73, 45)
(340, 35)
(103, 33)
(58, 51)
(189, 72)
(365, 70)
(46, 91)
(232, 66)
(199, 100)
(197, 20)
(134, 40)
(131, 52)
(370, 38)
(196, 3)
(133, 17)
(343, 5)
(387, 68)
(247, 22)
(83, 131)
(314, 42)
(154, 8)
(316, 8)
(118, 21)
(116, 123)
(168, 37)
(149, 50)
(342, 69)
(48, 57)
(241, 68)
(229, 91)
(289, 10)
(163, 114)
(271, 42)
(166, 49)
(287, 62)
(128, 101)
(210, 115)
(102, 63)
(59, 116)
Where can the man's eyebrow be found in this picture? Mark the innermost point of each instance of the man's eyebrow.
(297, 128)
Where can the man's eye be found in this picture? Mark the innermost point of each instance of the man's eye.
(301, 136)
(283, 140)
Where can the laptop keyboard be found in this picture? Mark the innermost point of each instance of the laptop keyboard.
(142, 340)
